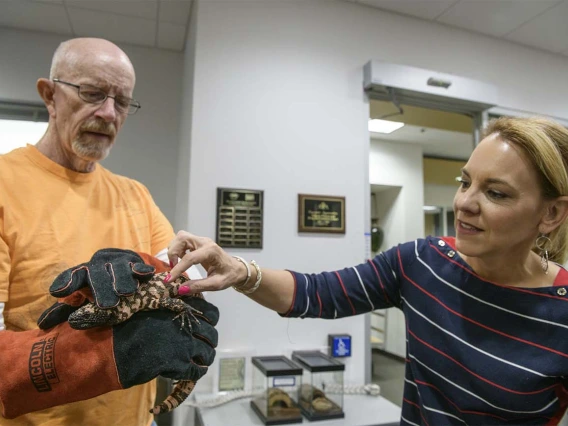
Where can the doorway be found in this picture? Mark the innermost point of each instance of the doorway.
(412, 181)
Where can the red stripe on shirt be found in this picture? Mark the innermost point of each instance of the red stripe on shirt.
(293, 297)
(417, 406)
(380, 282)
(345, 292)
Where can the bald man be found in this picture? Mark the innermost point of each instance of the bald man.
(58, 206)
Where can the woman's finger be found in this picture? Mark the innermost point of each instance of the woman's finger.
(211, 283)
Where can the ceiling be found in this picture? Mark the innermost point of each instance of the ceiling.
(163, 23)
(152, 23)
(536, 23)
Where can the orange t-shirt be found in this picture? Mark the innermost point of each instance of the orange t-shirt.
(52, 218)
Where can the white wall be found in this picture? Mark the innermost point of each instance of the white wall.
(183, 157)
(399, 164)
(147, 146)
(278, 106)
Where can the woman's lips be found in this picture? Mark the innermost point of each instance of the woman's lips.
(466, 228)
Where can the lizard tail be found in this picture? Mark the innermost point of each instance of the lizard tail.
(181, 391)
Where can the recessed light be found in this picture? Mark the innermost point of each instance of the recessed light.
(384, 126)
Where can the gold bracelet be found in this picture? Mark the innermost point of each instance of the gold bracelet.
(258, 279)
(244, 262)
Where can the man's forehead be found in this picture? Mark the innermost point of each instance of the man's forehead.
(101, 76)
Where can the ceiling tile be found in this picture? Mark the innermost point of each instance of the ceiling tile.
(425, 9)
(171, 36)
(494, 17)
(139, 8)
(49, 1)
(117, 28)
(34, 16)
(547, 31)
(175, 11)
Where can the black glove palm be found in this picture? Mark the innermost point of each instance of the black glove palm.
(160, 348)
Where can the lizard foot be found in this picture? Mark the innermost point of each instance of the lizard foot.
(186, 315)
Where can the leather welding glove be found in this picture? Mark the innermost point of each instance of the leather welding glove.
(41, 369)
(109, 274)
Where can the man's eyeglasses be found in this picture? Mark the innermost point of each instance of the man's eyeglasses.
(95, 95)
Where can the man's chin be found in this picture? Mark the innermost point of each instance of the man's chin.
(92, 153)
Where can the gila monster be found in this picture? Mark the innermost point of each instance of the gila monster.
(153, 294)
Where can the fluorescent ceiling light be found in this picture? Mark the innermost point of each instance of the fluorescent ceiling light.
(431, 209)
(384, 126)
(15, 134)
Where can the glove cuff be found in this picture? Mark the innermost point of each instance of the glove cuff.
(44, 369)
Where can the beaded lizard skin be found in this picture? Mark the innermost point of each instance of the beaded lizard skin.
(151, 295)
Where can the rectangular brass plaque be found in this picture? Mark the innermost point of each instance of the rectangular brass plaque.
(321, 213)
(239, 217)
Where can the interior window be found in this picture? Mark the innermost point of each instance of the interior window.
(21, 124)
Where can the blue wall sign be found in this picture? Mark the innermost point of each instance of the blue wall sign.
(340, 345)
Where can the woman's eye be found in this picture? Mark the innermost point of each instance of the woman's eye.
(463, 182)
(496, 194)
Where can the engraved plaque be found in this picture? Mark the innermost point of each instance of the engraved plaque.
(321, 213)
(239, 218)
(231, 374)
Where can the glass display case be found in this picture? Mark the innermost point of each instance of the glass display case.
(276, 383)
(321, 394)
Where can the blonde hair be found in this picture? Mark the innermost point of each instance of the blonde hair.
(546, 144)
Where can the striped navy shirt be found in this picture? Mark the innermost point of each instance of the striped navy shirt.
(477, 352)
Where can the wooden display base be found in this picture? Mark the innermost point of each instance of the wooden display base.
(277, 419)
(313, 415)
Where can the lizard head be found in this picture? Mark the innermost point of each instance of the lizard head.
(90, 316)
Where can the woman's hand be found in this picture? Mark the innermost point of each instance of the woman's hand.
(223, 270)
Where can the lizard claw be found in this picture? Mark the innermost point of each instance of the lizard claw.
(186, 314)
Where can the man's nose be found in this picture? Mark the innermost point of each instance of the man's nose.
(106, 110)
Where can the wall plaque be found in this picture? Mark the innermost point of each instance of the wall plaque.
(232, 374)
(239, 218)
(321, 213)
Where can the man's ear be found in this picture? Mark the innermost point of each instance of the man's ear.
(555, 214)
(45, 89)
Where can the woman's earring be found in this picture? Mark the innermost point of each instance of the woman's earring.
(541, 243)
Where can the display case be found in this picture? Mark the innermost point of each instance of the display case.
(276, 383)
(321, 394)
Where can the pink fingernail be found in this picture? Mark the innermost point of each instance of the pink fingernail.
(183, 290)
(167, 278)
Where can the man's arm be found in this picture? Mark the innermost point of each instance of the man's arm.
(42, 369)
